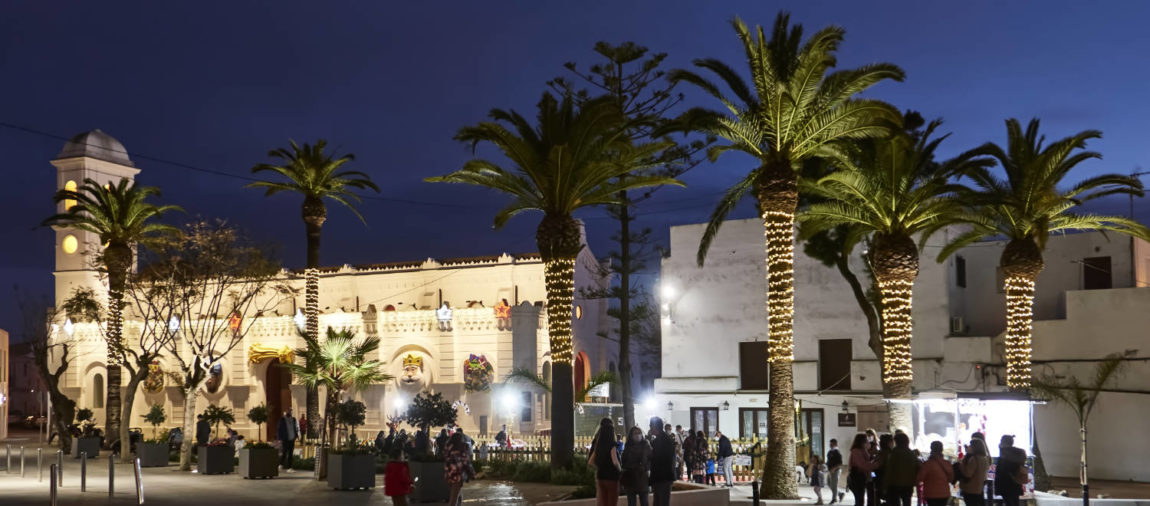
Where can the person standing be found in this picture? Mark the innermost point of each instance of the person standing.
(726, 459)
(397, 480)
(662, 463)
(861, 467)
(457, 466)
(878, 488)
(900, 473)
(818, 477)
(1010, 474)
(678, 438)
(935, 475)
(689, 455)
(501, 437)
(974, 467)
(288, 431)
(700, 451)
(203, 431)
(834, 465)
(636, 464)
(606, 463)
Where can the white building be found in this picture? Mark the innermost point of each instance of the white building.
(440, 321)
(714, 344)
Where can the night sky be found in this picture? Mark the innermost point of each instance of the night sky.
(215, 85)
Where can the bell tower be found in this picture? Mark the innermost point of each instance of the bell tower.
(91, 155)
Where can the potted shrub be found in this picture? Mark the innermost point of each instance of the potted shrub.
(429, 410)
(351, 466)
(218, 457)
(259, 459)
(154, 452)
(87, 437)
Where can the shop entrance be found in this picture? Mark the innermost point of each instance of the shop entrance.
(277, 384)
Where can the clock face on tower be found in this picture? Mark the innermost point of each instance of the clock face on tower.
(70, 244)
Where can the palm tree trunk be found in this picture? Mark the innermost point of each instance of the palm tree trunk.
(559, 242)
(311, 309)
(1041, 477)
(1083, 477)
(777, 191)
(1021, 262)
(112, 404)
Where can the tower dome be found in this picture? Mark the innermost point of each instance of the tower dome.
(96, 144)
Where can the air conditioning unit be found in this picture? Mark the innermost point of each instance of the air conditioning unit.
(957, 326)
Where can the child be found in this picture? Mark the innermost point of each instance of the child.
(818, 474)
(710, 470)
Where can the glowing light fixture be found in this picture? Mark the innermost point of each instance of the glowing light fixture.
(69, 328)
(300, 320)
(174, 325)
(1019, 318)
(667, 291)
(70, 244)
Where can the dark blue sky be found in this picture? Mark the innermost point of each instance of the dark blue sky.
(218, 84)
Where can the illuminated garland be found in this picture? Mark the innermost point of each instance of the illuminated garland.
(311, 302)
(1019, 316)
(897, 327)
(560, 278)
(780, 285)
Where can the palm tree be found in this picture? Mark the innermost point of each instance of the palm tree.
(1026, 208)
(309, 171)
(341, 365)
(1081, 398)
(122, 218)
(793, 110)
(896, 192)
(567, 161)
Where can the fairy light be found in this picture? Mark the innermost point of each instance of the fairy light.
(1019, 317)
(560, 278)
(780, 285)
(897, 327)
(311, 301)
(115, 329)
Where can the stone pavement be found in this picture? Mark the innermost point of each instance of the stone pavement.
(167, 486)
(741, 495)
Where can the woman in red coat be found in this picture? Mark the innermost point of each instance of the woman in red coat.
(397, 482)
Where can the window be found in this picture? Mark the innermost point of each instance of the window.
(753, 367)
(525, 414)
(809, 434)
(960, 271)
(1096, 274)
(69, 186)
(98, 391)
(705, 419)
(834, 364)
(752, 423)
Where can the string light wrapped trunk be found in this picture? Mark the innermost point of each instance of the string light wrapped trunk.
(1021, 262)
(560, 239)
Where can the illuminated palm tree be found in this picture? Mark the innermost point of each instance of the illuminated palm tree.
(572, 158)
(794, 109)
(894, 191)
(1026, 208)
(122, 217)
(309, 171)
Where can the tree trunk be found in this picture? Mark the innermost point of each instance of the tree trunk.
(894, 261)
(189, 428)
(1021, 262)
(559, 244)
(314, 215)
(134, 379)
(625, 313)
(118, 261)
(1083, 478)
(1041, 477)
(777, 191)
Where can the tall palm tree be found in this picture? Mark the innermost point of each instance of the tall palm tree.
(309, 171)
(122, 217)
(341, 365)
(568, 160)
(1026, 208)
(895, 192)
(793, 110)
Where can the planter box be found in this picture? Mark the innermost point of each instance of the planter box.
(259, 463)
(89, 445)
(152, 454)
(347, 471)
(430, 486)
(216, 460)
(696, 496)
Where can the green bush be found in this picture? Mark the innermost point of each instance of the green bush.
(579, 474)
(307, 464)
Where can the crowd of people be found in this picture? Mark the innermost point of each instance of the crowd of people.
(886, 471)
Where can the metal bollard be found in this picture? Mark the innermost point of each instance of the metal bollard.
(83, 471)
(21, 461)
(111, 475)
(39, 465)
(52, 485)
(60, 468)
(139, 484)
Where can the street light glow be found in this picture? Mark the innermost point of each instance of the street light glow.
(667, 291)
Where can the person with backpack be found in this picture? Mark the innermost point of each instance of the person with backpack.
(972, 473)
(1010, 474)
(900, 472)
(936, 474)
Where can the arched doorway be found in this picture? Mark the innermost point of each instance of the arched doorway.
(277, 384)
(581, 373)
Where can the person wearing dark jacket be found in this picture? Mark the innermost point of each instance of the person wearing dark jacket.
(726, 459)
(1007, 473)
(606, 461)
(288, 432)
(900, 472)
(662, 463)
(636, 464)
(203, 431)
(834, 465)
